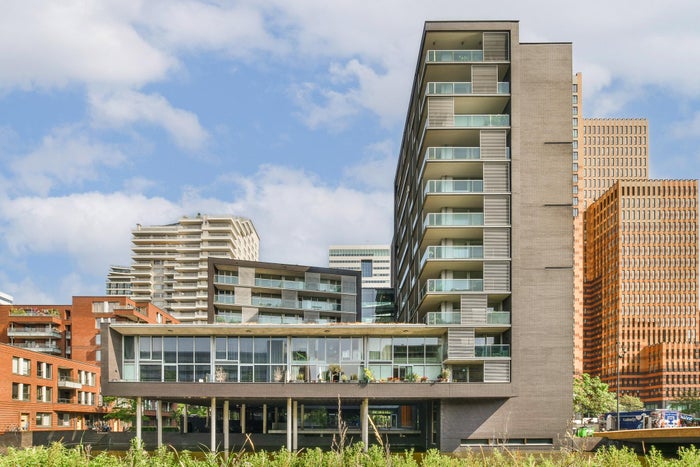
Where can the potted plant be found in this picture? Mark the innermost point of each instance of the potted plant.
(278, 374)
(423, 379)
(344, 378)
(333, 372)
(368, 377)
(445, 374)
(411, 378)
(300, 377)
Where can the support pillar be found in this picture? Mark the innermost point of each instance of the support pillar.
(212, 425)
(364, 422)
(139, 415)
(159, 423)
(264, 430)
(226, 428)
(242, 418)
(289, 423)
(295, 426)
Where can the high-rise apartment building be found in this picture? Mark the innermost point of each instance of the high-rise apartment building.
(119, 280)
(373, 261)
(482, 229)
(6, 299)
(641, 289)
(605, 150)
(169, 262)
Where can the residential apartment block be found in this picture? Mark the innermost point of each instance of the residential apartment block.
(641, 289)
(119, 280)
(272, 293)
(605, 150)
(52, 353)
(482, 228)
(373, 261)
(169, 262)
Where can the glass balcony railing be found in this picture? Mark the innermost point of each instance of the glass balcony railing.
(454, 285)
(225, 299)
(493, 350)
(329, 287)
(442, 56)
(222, 279)
(454, 186)
(453, 154)
(453, 252)
(498, 317)
(270, 302)
(454, 219)
(479, 121)
(320, 306)
(439, 317)
(280, 283)
(459, 88)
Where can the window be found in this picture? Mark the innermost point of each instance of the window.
(21, 366)
(20, 391)
(43, 394)
(366, 267)
(44, 370)
(43, 419)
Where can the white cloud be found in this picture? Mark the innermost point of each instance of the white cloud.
(65, 157)
(376, 170)
(689, 128)
(122, 108)
(298, 217)
(48, 44)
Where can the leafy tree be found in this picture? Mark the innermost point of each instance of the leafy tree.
(690, 403)
(120, 409)
(591, 396)
(629, 403)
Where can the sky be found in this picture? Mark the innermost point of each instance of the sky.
(290, 113)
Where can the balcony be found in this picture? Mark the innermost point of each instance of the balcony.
(454, 187)
(435, 318)
(481, 121)
(69, 383)
(453, 154)
(454, 219)
(453, 253)
(453, 285)
(492, 350)
(28, 332)
(487, 317)
(280, 284)
(38, 347)
(454, 56)
(224, 299)
(224, 279)
(461, 88)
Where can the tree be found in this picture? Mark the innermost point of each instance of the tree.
(630, 403)
(690, 403)
(592, 397)
(120, 409)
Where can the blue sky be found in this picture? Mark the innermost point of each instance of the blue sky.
(114, 113)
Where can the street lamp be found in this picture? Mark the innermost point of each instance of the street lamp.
(620, 355)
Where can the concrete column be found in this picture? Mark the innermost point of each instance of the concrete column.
(139, 415)
(289, 423)
(364, 421)
(295, 426)
(184, 419)
(242, 418)
(264, 419)
(212, 425)
(159, 423)
(226, 429)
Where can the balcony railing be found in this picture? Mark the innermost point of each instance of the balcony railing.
(440, 317)
(222, 279)
(225, 299)
(462, 88)
(70, 383)
(478, 121)
(455, 317)
(454, 219)
(453, 252)
(280, 284)
(493, 350)
(33, 332)
(454, 186)
(453, 153)
(454, 285)
(39, 347)
(269, 302)
(442, 56)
